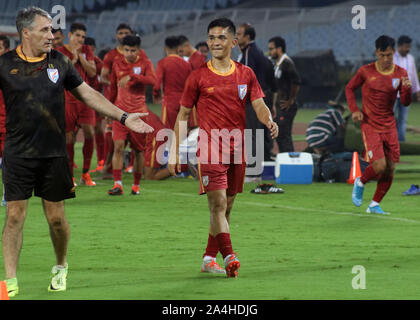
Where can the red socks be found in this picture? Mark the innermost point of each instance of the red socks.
(100, 146)
(368, 174)
(224, 244)
(117, 174)
(384, 183)
(87, 153)
(70, 153)
(137, 178)
(212, 247)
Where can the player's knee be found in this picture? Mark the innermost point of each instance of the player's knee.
(219, 208)
(15, 219)
(380, 166)
(56, 222)
(118, 148)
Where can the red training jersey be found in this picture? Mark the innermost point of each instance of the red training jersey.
(196, 60)
(109, 59)
(220, 101)
(132, 98)
(379, 92)
(88, 54)
(171, 74)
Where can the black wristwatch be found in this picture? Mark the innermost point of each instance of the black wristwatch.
(123, 118)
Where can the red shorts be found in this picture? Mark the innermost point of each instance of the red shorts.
(221, 176)
(120, 132)
(153, 156)
(78, 113)
(380, 145)
(169, 114)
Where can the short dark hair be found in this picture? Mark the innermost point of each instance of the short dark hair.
(224, 23)
(403, 40)
(103, 53)
(90, 41)
(77, 26)
(124, 26)
(384, 42)
(54, 31)
(182, 39)
(249, 30)
(6, 41)
(131, 41)
(279, 42)
(172, 42)
(201, 44)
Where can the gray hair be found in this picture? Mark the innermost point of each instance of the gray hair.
(26, 17)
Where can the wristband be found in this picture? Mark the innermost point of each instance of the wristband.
(123, 118)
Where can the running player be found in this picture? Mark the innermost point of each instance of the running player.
(380, 82)
(219, 89)
(129, 78)
(171, 73)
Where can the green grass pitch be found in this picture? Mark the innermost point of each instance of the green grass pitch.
(301, 244)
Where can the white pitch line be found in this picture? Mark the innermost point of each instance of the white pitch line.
(364, 215)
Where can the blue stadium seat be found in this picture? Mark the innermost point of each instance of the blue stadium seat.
(78, 5)
(46, 5)
(90, 4)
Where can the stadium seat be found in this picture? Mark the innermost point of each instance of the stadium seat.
(78, 5)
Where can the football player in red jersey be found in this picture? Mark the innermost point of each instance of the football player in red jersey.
(129, 78)
(380, 82)
(77, 113)
(96, 84)
(171, 73)
(219, 89)
(196, 59)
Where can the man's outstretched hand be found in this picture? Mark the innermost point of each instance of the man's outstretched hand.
(134, 122)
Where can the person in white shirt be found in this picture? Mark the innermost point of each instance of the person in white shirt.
(405, 60)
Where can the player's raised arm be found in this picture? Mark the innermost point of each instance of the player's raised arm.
(354, 83)
(264, 116)
(99, 103)
(173, 164)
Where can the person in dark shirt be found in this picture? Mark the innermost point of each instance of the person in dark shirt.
(287, 87)
(33, 78)
(253, 57)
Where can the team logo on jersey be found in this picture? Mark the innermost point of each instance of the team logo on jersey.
(53, 75)
(242, 90)
(395, 82)
(137, 70)
(205, 181)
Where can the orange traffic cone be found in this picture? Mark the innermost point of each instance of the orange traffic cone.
(355, 171)
(3, 291)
